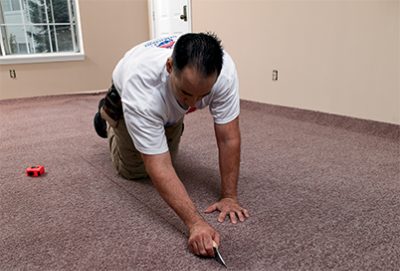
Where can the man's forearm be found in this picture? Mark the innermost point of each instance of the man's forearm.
(171, 188)
(175, 195)
(228, 140)
(229, 162)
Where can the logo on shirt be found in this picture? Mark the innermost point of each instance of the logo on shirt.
(167, 42)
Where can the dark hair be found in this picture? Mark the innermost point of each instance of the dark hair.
(202, 51)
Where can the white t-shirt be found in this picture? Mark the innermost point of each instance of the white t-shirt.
(149, 104)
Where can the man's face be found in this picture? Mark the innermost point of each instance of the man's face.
(189, 86)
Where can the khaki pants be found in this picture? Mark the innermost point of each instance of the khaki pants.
(126, 159)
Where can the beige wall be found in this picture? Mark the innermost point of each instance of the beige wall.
(110, 28)
(338, 56)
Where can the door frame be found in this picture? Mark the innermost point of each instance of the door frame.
(151, 16)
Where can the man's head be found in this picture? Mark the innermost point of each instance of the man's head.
(194, 66)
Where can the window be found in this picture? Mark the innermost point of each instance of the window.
(39, 31)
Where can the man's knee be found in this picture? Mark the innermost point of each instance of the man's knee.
(133, 173)
(126, 160)
(130, 170)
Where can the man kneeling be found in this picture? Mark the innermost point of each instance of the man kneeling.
(154, 85)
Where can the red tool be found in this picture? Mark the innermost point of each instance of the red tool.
(35, 171)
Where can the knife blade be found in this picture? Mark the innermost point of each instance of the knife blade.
(217, 255)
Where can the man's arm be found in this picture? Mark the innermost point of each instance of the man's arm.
(171, 189)
(228, 140)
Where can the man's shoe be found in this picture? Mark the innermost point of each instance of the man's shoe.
(100, 125)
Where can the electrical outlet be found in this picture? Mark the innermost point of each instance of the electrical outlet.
(13, 74)
(274, 75)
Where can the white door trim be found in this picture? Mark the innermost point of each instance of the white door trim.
(151, 15)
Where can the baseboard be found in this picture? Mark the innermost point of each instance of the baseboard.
(370, 127)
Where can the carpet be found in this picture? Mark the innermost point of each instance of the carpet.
(323, 192)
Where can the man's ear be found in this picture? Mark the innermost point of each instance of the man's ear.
(169, 65)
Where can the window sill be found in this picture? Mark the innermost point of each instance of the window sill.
(41, 58)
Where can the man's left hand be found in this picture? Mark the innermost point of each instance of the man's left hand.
(228, 207)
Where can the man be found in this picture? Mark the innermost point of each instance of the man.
(151, 93)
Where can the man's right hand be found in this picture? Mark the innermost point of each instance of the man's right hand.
(171, 189)
(201, 239)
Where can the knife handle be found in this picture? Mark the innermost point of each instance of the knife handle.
(214, 244)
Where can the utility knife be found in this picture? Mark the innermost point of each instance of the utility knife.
(217, 255)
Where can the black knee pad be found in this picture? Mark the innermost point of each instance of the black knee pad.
(112, 104)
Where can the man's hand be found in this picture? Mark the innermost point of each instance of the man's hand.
(174, 193)
(231, 207)
(201, 237)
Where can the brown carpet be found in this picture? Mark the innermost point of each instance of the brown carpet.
(323, 192)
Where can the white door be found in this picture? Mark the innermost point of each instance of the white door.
(168, 17)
